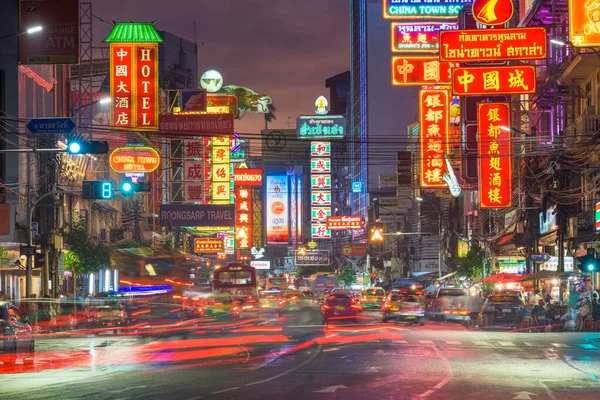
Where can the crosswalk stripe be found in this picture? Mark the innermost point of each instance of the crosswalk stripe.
(532, 344)
(480, 343)
(588, 346)
(426, 341)
(452, 342)
(560, 345)
(399, 341)
(506, 344)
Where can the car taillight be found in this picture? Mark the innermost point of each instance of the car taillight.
(200, 310)
(357, 306)
(280, 302)
(326, 307)
(247, 307)
(235, 308)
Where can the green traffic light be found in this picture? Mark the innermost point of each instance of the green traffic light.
(591, 267)
(74, 148)
(126, 187)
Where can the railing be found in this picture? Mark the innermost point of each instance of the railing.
(586, 219)
(583, 127)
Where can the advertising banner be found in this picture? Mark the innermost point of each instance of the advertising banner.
(418, 38)
(354, 249)
(434, 126)
(260, 264)
(321, 126)
(493, 80)
(584, 27)
(208, 245)
(422, 9)
(421, 70)
(196, 124)
(217, 215)
(471, 45)
(277, 209)
(313, 257)
(495, 163)
(134, 159)
(338, 222)
(248, 176)
(58, 41)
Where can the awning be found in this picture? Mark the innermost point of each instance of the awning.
(503, 278)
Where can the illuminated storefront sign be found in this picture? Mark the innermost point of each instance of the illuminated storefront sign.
(584, 23)
(493, 12)
(134, 159)
(420, 70)
(320, 231)
(434, 120)
(320, 149)
(493, 80)
(321, 126)
(243, 218)
(195, 172)
(220, 169)
(277, 209)
(321, 198)
(319, 182)
(248, 176)
(300, 210)
(208, 245)
(422, 9)
(320, 214)
(320, 165)
(195, 124)
(493, 44)
(495, 163)
(418, 38)
(344, 222)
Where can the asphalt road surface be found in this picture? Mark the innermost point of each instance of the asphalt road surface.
(255, 360)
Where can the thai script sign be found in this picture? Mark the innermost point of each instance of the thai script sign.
(418, 38)
(321, 126)
(344, 222)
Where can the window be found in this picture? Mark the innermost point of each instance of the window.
(14, 313)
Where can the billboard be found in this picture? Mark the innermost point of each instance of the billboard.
(472, 45)
(434, 120)
(338, 222)
(493, 80)
(313, 257)
(422, 9)
(418, 38)
(209, 245)
(584, 29)
(196, 124)
(420, 70)
(495, 163)
(354, 249)
(211, 215)
(277, 209)
(248, 176)
(321, 126)
(58, 41)
(134, 159)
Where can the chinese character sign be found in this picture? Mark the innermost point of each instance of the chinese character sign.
(320, 231)
(417, 38)
(320, 165)
(121, 85)
(434, 125)
(495, 163)
(220, 169)
(420, 70)
(243, 218)
(493, 44)
(320, 149)
(493, 80)
(320, 214)
(134, 85)
(320, 182)
(584, 23)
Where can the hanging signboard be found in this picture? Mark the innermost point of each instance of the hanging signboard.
(208, 245)
(248, 176)
(434, 126)
(493, 80)
(495, 163)
(470, 45)
(321, 198)
(420, 70)
(214, 215)
(313, 257)
(319, 182)
(134, 159)
(320, 165)
(354, 249)
(320, 149)
(422, 9)
(584, 23)
(196, 124)
(320, 214)
(320, 231)
(243, 218)
(418, 38)
(338, 222)
(321, 126)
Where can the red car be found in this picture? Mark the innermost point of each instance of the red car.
(341, 305)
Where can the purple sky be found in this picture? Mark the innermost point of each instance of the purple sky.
(282, 48)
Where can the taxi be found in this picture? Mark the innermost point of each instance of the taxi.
(268, 300)
(220, 306)
(403, 307)
(373, 298)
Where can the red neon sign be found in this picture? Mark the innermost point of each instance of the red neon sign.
(493, 80)
(121, 87)
(467, 45)
(208, 245)
(420, 70)
(417, 38)
(146, 69)
(495, 163)
(243, 218)
(434, 124)
(344, 222)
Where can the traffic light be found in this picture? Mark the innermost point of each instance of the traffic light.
(97, 190)
(376, 235)
(128, 188)
(589, 262)
(87, 147)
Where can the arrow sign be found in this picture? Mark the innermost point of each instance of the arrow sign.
(330, 389)
(373, 369)
(523, 396)
(50, 125)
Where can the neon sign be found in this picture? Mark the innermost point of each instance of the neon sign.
(420, 70)
(434, 124)
(421, 9)
(584, 23)
(417, 38)
(493, 80)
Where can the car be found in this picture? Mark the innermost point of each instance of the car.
(16, 340)
(290, 299)
(220, 306)
(501, 310)
(268, 300)
(450, 304)
(403, 307)
(340, 305)
(373, 298)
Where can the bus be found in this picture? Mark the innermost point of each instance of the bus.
(239, 280)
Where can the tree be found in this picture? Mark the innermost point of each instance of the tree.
(470, 266)
(347, 275)
(87, 255)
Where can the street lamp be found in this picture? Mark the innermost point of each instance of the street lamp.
(34, 29)
(28, 31)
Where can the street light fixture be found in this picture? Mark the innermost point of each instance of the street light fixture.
(28, 31)
(34, 29)
(558, 42)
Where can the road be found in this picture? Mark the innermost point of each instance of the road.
(254, 360)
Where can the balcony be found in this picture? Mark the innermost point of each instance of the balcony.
(584, 126)
(586, 220)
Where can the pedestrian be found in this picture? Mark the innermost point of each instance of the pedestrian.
(595, 307)
(537, 297)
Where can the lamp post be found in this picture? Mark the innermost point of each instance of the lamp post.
(28, 31)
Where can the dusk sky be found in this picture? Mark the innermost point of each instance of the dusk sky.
(282, 48)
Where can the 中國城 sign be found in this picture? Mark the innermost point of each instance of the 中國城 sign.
(321, 126)
(493, 80)
(422, 9)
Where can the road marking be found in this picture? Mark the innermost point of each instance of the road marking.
(399, 341)
(127, 388)
(588, 346)
(425, 341)
(532, 344)
(480, 343)
(560, 345)
(311, 359)
(226, 390)
(449, 374)
(452, 342)
(523, 396)
(195, 398)
(372, 369)
(331, 389)
(506, 344)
